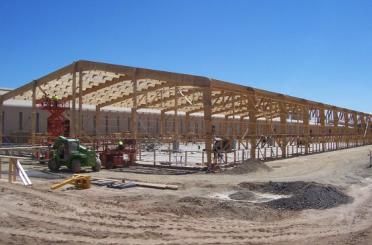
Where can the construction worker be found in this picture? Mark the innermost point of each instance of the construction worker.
(120, 145)
(55, 100)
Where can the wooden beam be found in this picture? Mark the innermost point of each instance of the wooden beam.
(322, 127)
(176, 118)
(98, 121)
(207, 105)
(187, 123)
(107, 83)
(167, 98)
(134, 115)
(33, 114)
(80, 95)
(171, 77)
(162, 120)
(252, 128)
(47, 78)
(73, 108)
(130, 96)
(197, 101)
(305, 120)
(283, 129)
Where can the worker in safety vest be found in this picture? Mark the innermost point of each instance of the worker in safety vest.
(55, 100)
(120, 145)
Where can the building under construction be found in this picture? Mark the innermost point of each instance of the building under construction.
(94, 101)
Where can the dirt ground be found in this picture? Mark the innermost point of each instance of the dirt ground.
(197, 213)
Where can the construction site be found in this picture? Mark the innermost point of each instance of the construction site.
(97, 153)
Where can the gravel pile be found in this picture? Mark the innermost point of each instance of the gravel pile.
(303, 195)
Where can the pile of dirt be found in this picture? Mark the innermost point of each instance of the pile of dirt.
(199, 207)
(303, 195)
(247, 166)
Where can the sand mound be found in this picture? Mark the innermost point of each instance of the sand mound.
(303, 195)
(247, 167)
(199, 207)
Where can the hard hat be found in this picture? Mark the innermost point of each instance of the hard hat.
(120, 142)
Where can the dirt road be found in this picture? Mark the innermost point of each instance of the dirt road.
(191, 215)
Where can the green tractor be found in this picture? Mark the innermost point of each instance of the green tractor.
(70, 153)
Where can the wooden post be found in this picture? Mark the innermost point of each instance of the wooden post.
(207, 104)
(33, 114)
(162, 115)
(252, 126)
(134, 122)
(283, 129)
(187, 124)
(346, 129)
(363, 127)
(73, 108)
(98, 114)
(80, 116)
(356, 138)
(176, 119)
(305, 118)
(335, 127)
(322, 127)
(233, 130)
(225, 126)
(12, 170)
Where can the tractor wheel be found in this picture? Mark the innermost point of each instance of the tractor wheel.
(97, 167)
(53, 165)
(76, 166)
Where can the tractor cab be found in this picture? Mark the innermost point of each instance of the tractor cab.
(69, 152)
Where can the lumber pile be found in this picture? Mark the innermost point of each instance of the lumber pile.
(122, 184)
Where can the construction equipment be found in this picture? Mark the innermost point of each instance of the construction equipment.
(79, 181)
(57, 123)
(69, 152)
(121, 155)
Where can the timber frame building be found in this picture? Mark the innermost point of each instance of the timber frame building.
(256, 117)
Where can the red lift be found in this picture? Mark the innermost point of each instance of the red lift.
(119, 155)
(57, 124)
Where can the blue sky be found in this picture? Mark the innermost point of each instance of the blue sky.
(319, 50)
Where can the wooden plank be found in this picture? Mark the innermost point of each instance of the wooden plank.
(156, 186)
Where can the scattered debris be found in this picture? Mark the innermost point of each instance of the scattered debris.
(117, 184)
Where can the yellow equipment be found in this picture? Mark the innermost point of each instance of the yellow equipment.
(79, 181)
